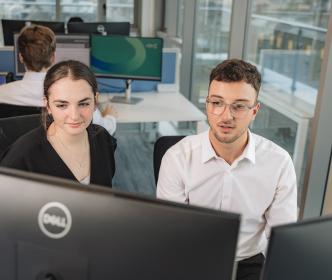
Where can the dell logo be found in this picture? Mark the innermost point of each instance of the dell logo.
(54, 220)
(101, 29)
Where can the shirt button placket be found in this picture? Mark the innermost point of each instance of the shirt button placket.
(227, 189)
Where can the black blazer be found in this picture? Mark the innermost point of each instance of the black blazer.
(32, 152)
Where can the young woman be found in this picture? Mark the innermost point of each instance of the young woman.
(68, 145)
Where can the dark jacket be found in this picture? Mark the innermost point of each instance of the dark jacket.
(32, 152)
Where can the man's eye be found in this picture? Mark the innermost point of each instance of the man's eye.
(217, 103)
(84, 104)
(239, 106)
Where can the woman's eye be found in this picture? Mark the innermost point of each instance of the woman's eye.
(61, 106)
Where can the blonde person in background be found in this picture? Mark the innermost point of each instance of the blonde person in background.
(37, 46)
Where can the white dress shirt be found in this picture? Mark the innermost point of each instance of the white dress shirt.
(260, 185)
(29, 92)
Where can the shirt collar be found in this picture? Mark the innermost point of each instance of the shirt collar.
(36, 76)
(249, 150)
(208, 152)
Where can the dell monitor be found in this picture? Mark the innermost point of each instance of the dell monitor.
(76, 47)
(103, 28)
(61, 229)
(126, 58)
(9, 27)
(300, 251)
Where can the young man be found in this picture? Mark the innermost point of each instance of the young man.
(37, 51)
(229, 168)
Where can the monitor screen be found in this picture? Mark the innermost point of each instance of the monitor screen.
(76, 47)
(110, 28)
(126, 57)
(60, 228)
(300, 251)
(10, 26)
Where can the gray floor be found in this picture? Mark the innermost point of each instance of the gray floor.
(134, 164)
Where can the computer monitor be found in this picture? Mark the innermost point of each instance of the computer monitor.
(110, 28)
(11, 26)
(76, 47)
(126, 58)
(60, 228)
(55, 26)
(300, 251)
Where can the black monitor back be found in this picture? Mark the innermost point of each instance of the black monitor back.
(11, 26)
(55, 26)
(300, 251)
(110, 28)
(107, 234)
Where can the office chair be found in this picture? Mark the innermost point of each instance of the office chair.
(9, 110)
(160, 147)
(12, 128)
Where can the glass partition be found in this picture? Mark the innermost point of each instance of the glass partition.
(285, 39)
(211, 39)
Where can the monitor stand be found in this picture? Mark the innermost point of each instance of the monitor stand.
(127, 99)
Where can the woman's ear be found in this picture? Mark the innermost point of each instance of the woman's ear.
(20, 58)
(96, 99)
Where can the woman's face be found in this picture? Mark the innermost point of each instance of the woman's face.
(71, 103)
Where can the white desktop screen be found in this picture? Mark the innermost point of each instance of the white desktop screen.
(72, 46)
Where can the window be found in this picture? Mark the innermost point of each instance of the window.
(86, 9)
(25, 9)
(120, 10)
(286, 40)
(212, 26)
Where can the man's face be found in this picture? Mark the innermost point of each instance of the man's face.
(227, 126)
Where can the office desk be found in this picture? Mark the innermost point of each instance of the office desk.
(157, 107)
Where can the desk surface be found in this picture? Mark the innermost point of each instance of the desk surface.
(155, 107)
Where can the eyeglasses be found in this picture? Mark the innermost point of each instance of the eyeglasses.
(238, 109)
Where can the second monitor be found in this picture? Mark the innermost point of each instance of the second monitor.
(128, 58)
